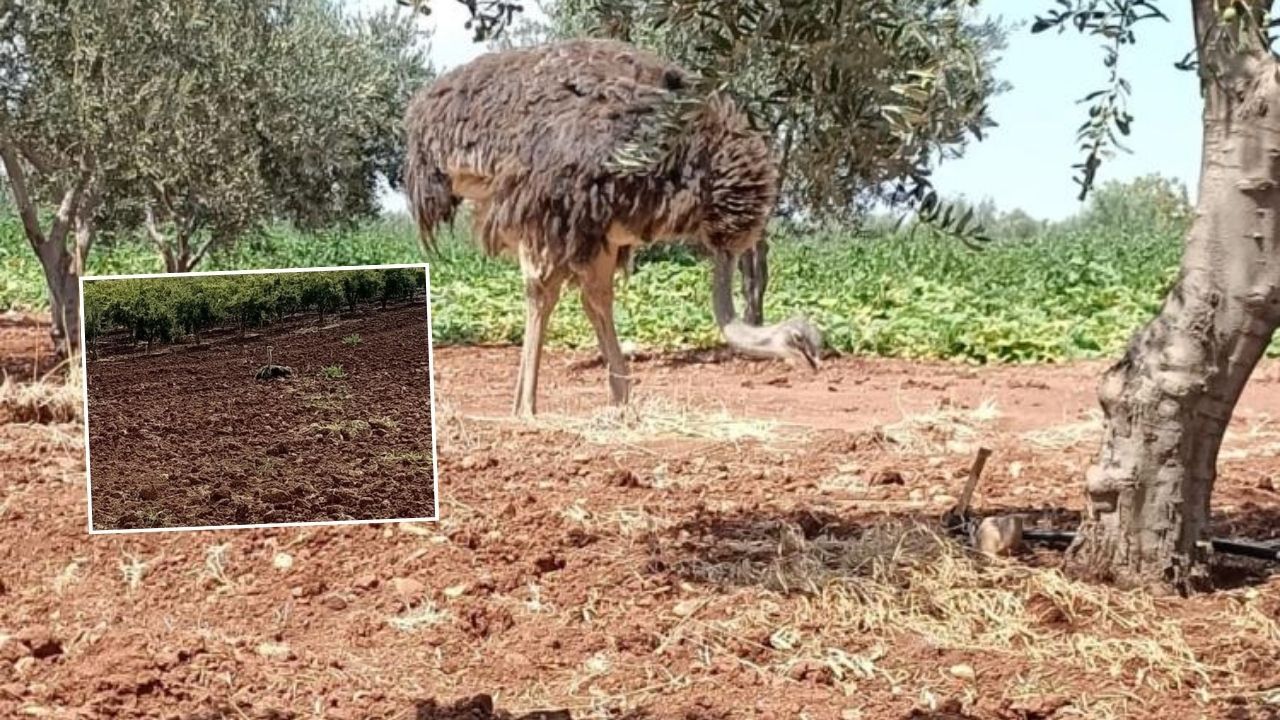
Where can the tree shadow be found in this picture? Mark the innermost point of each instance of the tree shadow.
(804, 548)
(480, 707)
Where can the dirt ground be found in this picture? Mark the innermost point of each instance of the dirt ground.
(744, 548)
(185, 436)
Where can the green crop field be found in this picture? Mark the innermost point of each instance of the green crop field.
(1063, 294)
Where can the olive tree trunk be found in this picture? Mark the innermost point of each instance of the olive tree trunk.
(63, 248)
(1168, 401)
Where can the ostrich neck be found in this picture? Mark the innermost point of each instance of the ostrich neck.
(742, 337)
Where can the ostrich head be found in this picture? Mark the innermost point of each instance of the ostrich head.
(739, 189)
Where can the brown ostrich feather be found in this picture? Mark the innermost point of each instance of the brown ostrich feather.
(532, 135)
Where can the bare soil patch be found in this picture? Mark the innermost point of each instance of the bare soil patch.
(187, 436)
(603, 568)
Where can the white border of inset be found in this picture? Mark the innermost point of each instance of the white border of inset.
(431, 380)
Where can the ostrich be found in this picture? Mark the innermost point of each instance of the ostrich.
(531, 137)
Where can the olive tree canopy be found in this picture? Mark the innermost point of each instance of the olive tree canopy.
(218, 118)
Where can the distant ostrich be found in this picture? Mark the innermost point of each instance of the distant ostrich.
(530, 137)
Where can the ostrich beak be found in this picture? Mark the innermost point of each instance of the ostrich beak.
(811, 357)
(805, 340)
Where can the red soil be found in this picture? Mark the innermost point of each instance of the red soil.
(186, 437)
(613, 580)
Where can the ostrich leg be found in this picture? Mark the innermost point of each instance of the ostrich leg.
(541, 292)
(596, 280)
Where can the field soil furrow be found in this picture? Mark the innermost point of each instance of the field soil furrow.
(188, 437)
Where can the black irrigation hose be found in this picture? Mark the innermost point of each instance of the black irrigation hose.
(1226, 547)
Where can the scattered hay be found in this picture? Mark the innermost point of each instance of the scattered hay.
(1065, 437)
(416, 618)
(342, 429)
(904, 582)
(658, 418)
(945, 429)
(57, 397)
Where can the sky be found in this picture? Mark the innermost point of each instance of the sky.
(1026, 161)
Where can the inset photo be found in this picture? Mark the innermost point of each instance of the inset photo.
(252, 398)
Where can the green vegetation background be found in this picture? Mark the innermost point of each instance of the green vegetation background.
(1038, 292)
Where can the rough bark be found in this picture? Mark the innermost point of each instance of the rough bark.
(1168, 401)
(62, 265)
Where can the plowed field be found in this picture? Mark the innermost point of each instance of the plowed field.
(186, 436)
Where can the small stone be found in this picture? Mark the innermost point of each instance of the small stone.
(407, 589)
(282, 561)
(335, 602)
(916, 495)
(1267, 484)
(685, 608)
(366, 582)
(851, 714)
(999, 535)
(454, 591)
(943, 500)
(963, 671)
(275, 651)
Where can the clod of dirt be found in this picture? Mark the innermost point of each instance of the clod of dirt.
(479, 707)
(549, 563)
(485, 621)
(811, 670)
(1266, 483)
(474, 462)
(12, 650)
(334, 602)
(888, 477)
(41, 642)
(365, 582)
(624, 478)
(407, 589)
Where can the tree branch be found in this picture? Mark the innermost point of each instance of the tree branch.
(38, 161)
(18, 186)
(70, 208)
(200, 253)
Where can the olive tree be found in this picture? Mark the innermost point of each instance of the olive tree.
(218, 118)
(1167, 402)
(861, 99)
